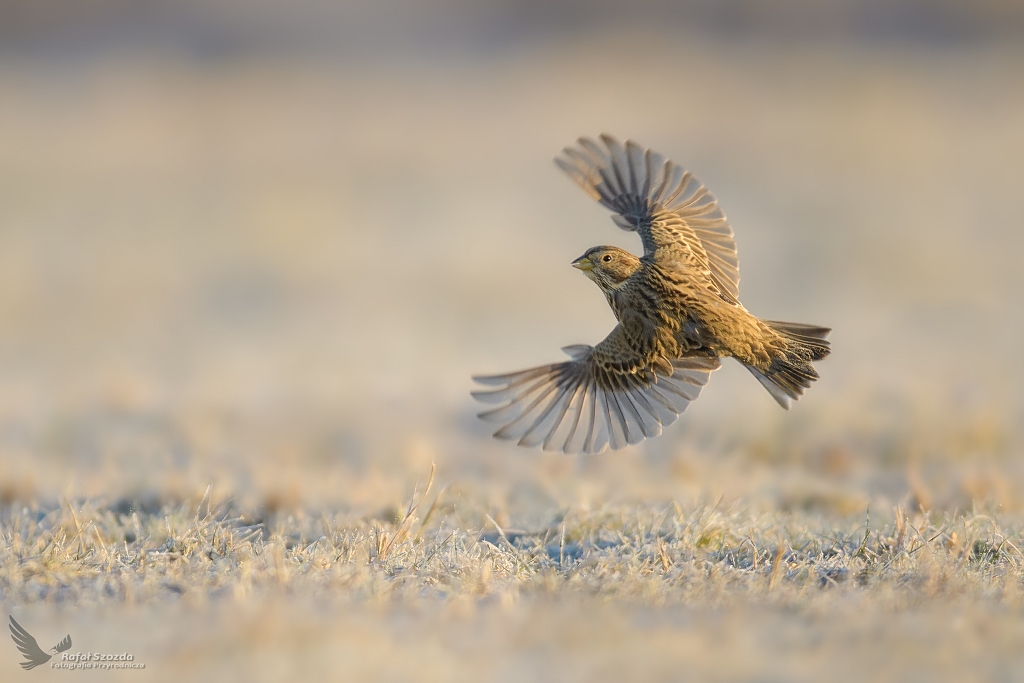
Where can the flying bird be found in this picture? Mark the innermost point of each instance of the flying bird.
(678, 313)
(34, 656)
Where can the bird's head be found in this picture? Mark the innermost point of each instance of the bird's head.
(607, 266)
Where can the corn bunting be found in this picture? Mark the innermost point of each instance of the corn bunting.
(677, 308)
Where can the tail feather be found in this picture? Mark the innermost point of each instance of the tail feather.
(811, 336)
(791, 372)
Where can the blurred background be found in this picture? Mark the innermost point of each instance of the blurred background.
(266, 244)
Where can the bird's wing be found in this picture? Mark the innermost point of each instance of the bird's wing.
(28, 646)
(659, 200)
(64, 644)
(607, 395)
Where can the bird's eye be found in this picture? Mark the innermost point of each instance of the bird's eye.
(607, 258)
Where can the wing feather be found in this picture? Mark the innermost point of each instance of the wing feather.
(587, 417)
(663, 404)
(602, 419)
(618, 429)
(651, 411)
(547, 421)
(629, 420)
(666, 178)
(567, 426)
(590, 402)
(518, 427)
(645, 191)
(633, 413)
(650, 425)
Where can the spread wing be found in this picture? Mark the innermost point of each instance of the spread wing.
(604, 396)
(659, 200)
(28, 646)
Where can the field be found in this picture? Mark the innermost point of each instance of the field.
(242, 294)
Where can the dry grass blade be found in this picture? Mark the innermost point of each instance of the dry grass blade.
(901, 529)
(433, 506)
(776, 565)
(511, 548)
(78, 531)
(966, 552)
(384, 549)
(663, 556)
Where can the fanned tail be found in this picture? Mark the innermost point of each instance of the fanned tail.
(791, 372)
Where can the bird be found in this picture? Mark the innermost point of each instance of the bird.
(34, 655)
(678, 312)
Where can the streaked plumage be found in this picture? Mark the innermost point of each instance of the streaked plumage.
(678, 311)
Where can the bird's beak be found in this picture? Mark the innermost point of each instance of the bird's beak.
(583, 263)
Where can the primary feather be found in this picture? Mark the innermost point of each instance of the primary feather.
(658, 199)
